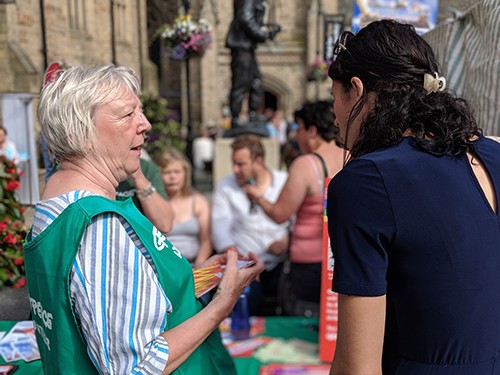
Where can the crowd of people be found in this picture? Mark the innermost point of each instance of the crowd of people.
(412, 219)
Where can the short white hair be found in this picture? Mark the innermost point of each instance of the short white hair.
(67, 106)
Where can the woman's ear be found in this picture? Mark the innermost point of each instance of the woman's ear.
(356, 87)
(312, 130)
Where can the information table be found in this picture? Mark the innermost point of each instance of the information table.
(277, 327)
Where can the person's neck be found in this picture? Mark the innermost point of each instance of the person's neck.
(263, 178)
(174, 195)
(323, 145)
(83, 178)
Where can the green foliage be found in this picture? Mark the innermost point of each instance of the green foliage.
(165, 131)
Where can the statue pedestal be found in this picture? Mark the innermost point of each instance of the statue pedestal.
(256, 127)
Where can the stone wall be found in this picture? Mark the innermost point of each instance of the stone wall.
(74, 36)
(80, 36)
(283, 62)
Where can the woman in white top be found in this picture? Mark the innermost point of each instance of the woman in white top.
(191, 230)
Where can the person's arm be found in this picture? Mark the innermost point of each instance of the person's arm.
(279, 247)
(222, 215)
(360, 336)
(246, 17)
(108, 279)
(362, 230)
(187, 336)
(116, 345)
(292, 195)
(203, 217)
(155, 207)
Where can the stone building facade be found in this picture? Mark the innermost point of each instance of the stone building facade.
(283, 62)
(35, 33)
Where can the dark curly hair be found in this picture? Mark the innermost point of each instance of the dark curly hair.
(319, 114)
(391, 59)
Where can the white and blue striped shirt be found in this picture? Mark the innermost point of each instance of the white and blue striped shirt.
(115, 292)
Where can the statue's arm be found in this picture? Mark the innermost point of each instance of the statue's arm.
(248, 21)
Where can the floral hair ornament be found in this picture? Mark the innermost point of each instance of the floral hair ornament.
(434, 83)
(53, 72)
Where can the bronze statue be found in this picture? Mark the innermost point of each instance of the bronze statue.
(245, 32)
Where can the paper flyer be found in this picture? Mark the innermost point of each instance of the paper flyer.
(282, 369)
(207, 278)
(20, 343)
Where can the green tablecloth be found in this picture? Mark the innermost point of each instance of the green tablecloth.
(282, 327)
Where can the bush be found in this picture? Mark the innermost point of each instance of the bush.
(13, 229)
(165, 130)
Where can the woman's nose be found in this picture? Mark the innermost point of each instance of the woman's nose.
(144, 122)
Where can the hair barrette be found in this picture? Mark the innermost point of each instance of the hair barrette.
(434, 83)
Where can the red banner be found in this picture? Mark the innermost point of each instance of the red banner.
(328, 321)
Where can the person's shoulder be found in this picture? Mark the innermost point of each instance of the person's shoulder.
(355, 169)
(200, 198)
(303, 161)
(227, 182)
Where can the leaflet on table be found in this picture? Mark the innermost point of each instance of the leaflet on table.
(20, 343)
(7, 369)
(289, 351)
(282, 369)
(245, 348)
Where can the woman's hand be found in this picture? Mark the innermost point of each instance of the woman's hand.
(220, 259)
(235, 280)
(213, 261)
(251, 191)
(278, 247)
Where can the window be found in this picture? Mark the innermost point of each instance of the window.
(120, 19)
(77, 14)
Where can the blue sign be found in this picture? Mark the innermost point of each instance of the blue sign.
(420, 13)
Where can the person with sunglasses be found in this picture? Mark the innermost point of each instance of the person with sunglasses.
(413, 215)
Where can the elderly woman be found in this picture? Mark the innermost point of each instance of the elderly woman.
(109, 293)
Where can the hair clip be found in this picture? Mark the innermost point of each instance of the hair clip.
(434, 83)
(341, 44)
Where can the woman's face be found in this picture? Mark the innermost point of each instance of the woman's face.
(302, 137)
(343, 104)
(120, 128)
(342, 107)
(173, 176)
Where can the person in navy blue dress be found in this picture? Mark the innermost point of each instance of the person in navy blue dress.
(413, 216)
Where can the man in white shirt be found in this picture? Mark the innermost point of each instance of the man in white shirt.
(236, 221)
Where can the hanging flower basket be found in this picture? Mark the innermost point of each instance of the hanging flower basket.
(318, 71)
(12, 227)
(186, 38)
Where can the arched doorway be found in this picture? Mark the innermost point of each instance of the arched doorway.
(277, 95)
